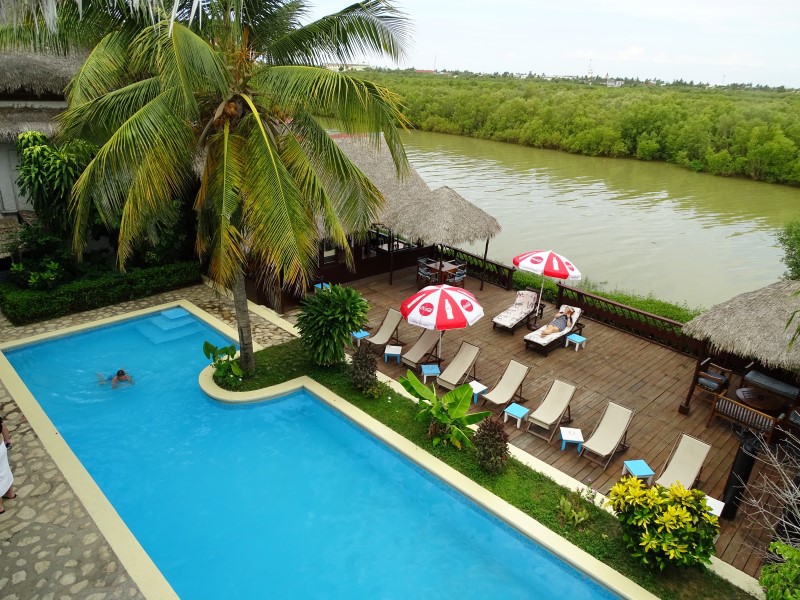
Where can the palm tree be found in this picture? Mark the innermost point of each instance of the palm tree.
(229, 92)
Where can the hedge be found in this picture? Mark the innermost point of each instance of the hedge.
(23, 306)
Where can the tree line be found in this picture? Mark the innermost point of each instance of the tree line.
(729, 132)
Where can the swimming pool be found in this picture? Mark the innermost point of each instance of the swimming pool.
(284, 498)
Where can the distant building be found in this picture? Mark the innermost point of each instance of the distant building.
(614, 83)
(345, 67)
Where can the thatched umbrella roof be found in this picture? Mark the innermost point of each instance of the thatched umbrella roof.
(753, 325)
(37, 73)
(16, 119)
(442, 217)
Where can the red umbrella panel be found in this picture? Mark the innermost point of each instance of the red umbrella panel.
(548, 264)
(441, 307)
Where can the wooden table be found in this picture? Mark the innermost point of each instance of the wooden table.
(762, 402)
(444, 270)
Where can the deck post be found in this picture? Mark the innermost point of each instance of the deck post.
(483, 271)
(684, 408)
(391, 256)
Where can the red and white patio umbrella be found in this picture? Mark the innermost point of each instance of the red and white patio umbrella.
(441, 307)
(548, 264)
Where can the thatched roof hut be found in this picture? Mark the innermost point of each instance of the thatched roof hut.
(36, 74)
(753, 325)
(442, 217)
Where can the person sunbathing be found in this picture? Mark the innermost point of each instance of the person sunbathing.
(559, 323)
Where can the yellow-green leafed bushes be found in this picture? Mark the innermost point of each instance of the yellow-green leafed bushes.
(664, 526)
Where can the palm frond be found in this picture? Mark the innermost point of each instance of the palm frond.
(280, 227)
(220, 208)
(145, 161)
(359, 106)
(183, 59)
(97, 119)
(356, 200)
(103, 71)
(371, 27)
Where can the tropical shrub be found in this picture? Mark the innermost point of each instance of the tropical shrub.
(326, 321)
(227, 371)
(46, 174)
(782, 579)
(789, 239)
(448, 416)
(23, 306)
(363, 370)
(664, 526)
(491, 445)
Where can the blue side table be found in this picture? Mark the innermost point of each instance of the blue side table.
(429, 371)
(392, 351)
(638, 468)
(359, 335)
(321, 286)
(477, 389)
(576, 339)
(571, 435)
(516, 411)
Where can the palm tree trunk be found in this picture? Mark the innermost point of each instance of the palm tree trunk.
(247, 360)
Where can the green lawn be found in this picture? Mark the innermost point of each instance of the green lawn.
(528, 490)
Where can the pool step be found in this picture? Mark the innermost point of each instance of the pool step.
(166, 324)
(155, 332)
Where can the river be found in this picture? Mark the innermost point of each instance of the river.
(648, 228)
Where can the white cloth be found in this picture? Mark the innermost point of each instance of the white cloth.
(6, 477)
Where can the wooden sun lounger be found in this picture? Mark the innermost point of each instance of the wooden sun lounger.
(509, 386)
(423, 349)
(460, 367)
(388, 331)
(685, 462)
(553, 411)
(609, 436)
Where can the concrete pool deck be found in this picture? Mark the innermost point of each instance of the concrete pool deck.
(57, 550)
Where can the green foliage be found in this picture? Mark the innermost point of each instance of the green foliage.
(491, 445)
(364, 370)
(226, 368)
(46, 174)
(327, 319)
(782, 579)
(23, 306)
(720, 131)
(664, 526)
(677, 312)
(789, 239)
(571, 512)
(448, 416)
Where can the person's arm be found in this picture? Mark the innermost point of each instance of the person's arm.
(6, 436)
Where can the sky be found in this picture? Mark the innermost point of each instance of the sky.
(757, 41)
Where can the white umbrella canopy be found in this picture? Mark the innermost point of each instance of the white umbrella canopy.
(441, 307)
(547, 264)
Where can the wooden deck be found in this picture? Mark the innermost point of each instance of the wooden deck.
(613, 366)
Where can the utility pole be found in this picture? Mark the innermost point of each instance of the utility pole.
(435, 56)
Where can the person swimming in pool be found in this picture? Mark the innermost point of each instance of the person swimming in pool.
(117, 378)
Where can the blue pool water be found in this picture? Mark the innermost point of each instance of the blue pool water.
(280, 499)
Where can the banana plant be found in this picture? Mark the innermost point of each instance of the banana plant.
(449, 415)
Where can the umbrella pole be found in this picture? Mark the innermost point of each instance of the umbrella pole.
(539, 299)
(439, 347)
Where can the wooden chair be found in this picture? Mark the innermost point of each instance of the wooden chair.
(741, 414)
(713, 378)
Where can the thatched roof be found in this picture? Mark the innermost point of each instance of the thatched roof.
(35, 73)
(412, 209)
(16, 119)
(753, 325)
(443, 217)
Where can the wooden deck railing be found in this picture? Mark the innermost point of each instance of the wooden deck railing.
(495, 273)
(659, 330)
